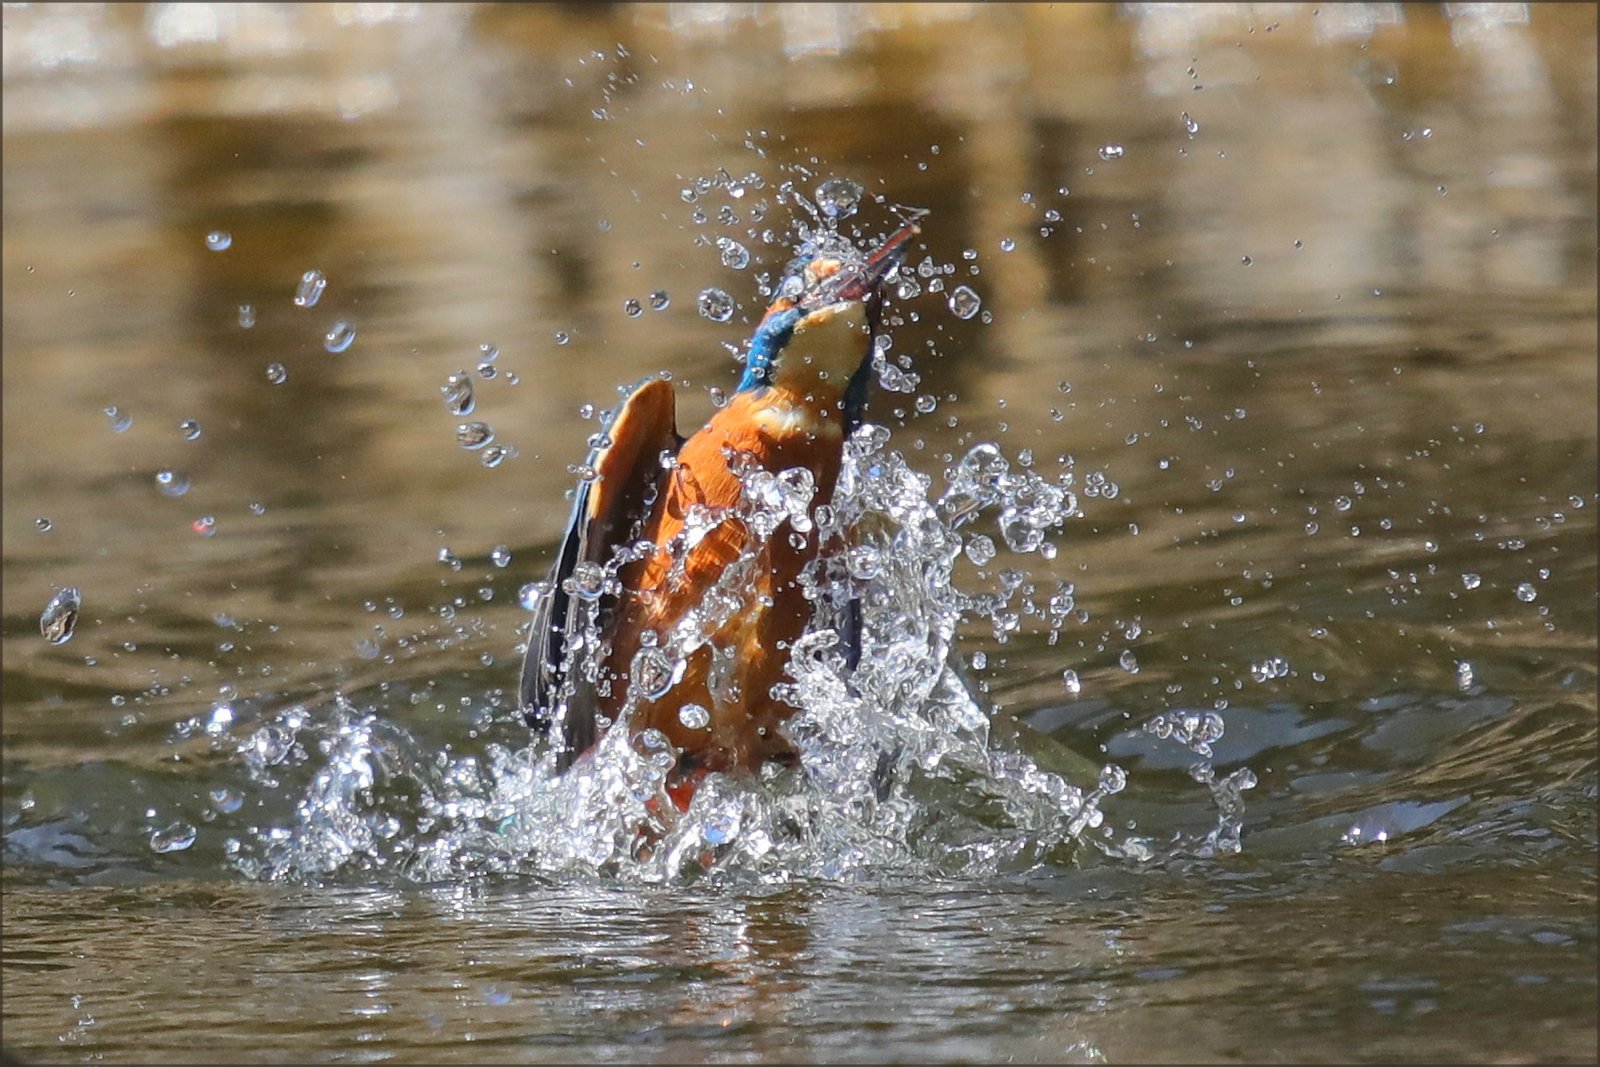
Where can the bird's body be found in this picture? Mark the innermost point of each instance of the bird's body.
(779, 430)
(704, 613)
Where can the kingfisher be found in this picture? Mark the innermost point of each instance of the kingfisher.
(664, 513)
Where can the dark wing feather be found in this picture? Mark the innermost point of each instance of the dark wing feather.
(604, 513)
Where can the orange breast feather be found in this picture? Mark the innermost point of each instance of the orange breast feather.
(778, 429)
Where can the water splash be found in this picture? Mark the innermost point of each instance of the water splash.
(898, 775)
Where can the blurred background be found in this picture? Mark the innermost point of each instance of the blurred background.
(1309, 290)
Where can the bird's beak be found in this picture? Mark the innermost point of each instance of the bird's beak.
(882, 261)
(859, 281)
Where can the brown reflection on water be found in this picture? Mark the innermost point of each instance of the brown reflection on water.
(1379, 233)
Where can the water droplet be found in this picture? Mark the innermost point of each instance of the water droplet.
(586, 582)
(190, 428)
(226, 800)
(1190, 124)
(632, 308)
(488, 353)
(219, 240)
(488, 371)
(172, 483)
(715, 304)
(530, 595)
(1470, 580)
(1007, 244)
(1128, 661)
(457, 392)
(1112, 151)
(340, 337)
(1526, 592)
(173, 838)
(1069, 679)
(495, 455)
(863, 562)
(120, 420)
(474, 435)
(656, 671)
(257, 508)
(1113, 779)
(449, 558)
(312, 283)
(980, 550)
(735, 256)
(277, 373)
(1246, 260)
(205, 525)
(838, 198)
(660, 300)
(500, 556)
(694, 716)
(964, 302)
(43, 524)
(247, 316)
(562, 337)
(1464, 675)
(60, 616)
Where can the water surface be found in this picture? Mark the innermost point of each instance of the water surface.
(1307, 300)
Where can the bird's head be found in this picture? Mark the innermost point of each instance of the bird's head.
(819, 326)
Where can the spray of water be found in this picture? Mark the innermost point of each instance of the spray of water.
(898, 773)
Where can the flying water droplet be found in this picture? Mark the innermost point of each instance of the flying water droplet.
(1470, 580)
(964, 302)
(1128, 661)
(120, 420)
(60, 616)
(863, 562)
(175, 837)
(632, 308)
(715, 304)
(500, 556)
(172, 483)
(190, 428)
(1190, 125)
(219, 240)
(1464, 675)
(495, 455)
(694, 716)
(1113, 779)
(562, 337)
(1526, 592)
(457, 391)
(312, 283)
(1069, 680)
(474, 435)
(340, 337)
(656, 671)
(43, 524)
(488, 353)
(735, 256)
(277, 373)
(205, 525)
(1007, 244)
(1112, 151)
(247, 316)
(980, 550)
(586, 582)
(838, 198)
(660, 300)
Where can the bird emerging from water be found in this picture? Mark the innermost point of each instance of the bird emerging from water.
(600, 648)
